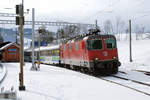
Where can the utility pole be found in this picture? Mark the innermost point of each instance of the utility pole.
(20, 22)
(130, 41)
(16, 37)
(96, 23)
(33, 26)
(39, 43)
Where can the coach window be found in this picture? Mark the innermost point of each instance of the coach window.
(49, 52)
(53, 52)
(110, 42)
(45, 53)
(57, 52)
(94, 44)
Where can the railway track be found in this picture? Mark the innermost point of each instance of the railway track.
(145, 72)
(3, 73)
(135, 85)
(132, 80)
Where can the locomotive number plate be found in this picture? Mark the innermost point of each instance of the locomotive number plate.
(105, 53)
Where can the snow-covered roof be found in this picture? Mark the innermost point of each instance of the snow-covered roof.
(7, 45)
(48, 47)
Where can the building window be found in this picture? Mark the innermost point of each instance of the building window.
(12, 50)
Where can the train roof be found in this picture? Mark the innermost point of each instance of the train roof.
(53, 47)
(89, 36)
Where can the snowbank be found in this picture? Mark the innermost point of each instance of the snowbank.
(140, 54)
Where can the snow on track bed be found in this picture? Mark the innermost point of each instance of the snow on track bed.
(130, 82)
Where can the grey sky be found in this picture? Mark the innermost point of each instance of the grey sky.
(84, 10)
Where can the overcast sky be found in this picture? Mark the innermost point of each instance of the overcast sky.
(84, 10)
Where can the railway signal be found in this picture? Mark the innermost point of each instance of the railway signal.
(20, 22)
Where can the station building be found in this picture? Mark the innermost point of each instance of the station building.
(10, 52)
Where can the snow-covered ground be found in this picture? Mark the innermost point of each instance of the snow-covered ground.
(54, 83)
(140, 54)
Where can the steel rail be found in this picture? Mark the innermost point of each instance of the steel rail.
(5, 74)
(132, 80)
(148, 94)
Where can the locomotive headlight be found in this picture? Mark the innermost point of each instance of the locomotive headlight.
(96, 59)
(114, 58)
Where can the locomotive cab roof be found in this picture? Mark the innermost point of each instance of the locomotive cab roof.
(93, 34)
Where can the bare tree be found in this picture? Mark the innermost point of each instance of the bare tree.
(60, 35)
(127, 35)
(46, 35)
(120, 27)
(139, 32)
(1, 38)
(142, 31)
(108, 28)
(68, 31)
(83, 29)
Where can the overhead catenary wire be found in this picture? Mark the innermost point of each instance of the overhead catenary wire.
(141, 16)
(103, 10)
(111, 5)
(140, 3)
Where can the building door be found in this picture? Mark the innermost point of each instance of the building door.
(12, 54)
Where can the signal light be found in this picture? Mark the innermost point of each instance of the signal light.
(17, 9)
(18, 20)
(40, 30)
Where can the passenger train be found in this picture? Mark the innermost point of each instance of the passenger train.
(92, 53)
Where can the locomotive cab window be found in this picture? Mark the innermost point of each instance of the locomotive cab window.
(94, 44)
(110, 42)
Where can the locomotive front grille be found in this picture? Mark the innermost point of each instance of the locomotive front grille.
(104, 65)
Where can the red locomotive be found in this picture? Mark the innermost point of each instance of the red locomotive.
(91, 53)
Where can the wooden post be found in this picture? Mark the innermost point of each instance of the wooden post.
(21, 18)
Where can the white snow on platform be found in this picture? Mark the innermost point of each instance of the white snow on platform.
(53, 83)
